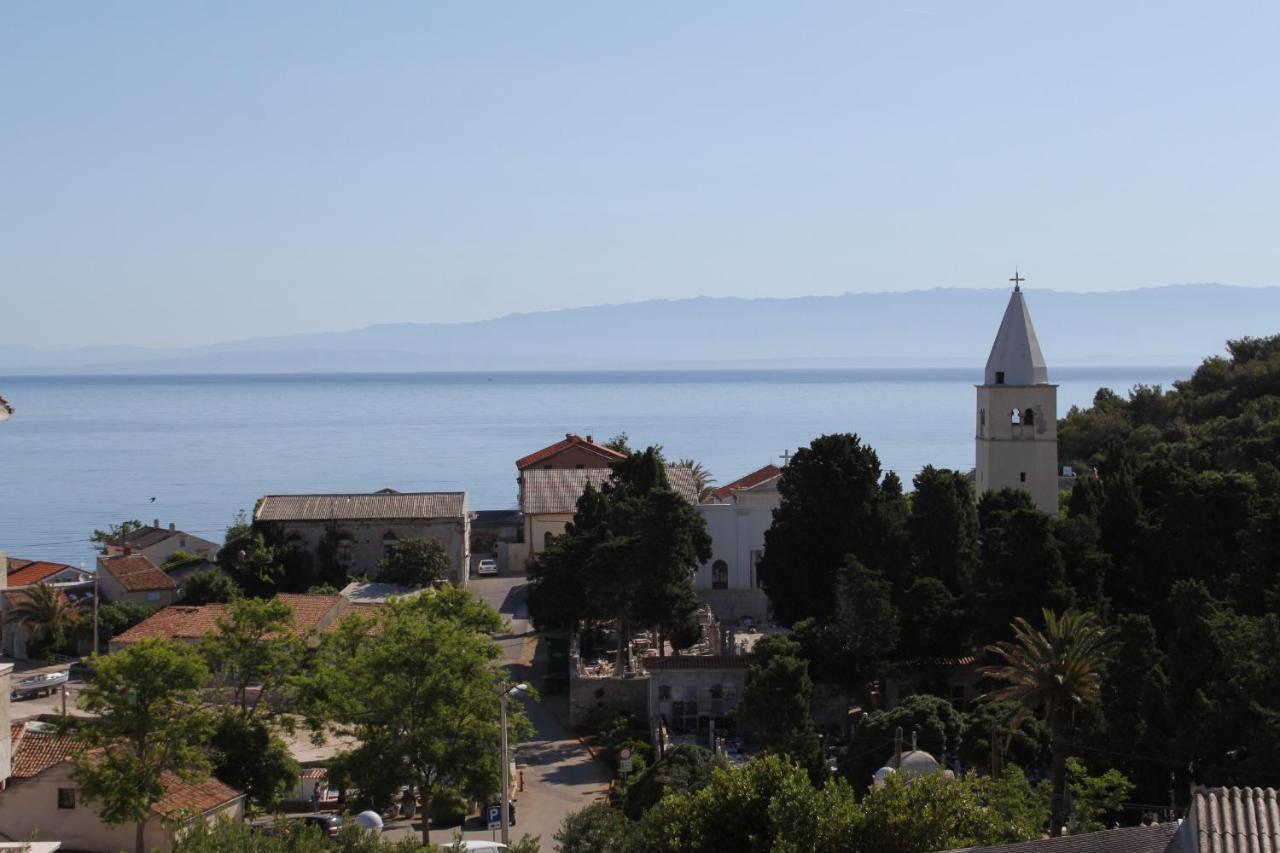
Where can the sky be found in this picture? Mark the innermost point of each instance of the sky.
(184, 173)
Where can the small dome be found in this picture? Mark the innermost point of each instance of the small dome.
(880, 775)
(369, 820)
(917, 762)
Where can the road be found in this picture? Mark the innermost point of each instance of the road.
(560, 776)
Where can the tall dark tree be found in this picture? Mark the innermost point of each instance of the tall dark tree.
(1021, 568)
(944, 528)
(833, 505)
(775, 704)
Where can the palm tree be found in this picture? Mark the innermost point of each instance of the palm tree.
(46, 612)
(702, 478)
(1058, 670)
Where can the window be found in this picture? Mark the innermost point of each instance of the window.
(717, 691)
(1028, 417)
(546, 539)
(346, 549)
(388, 542)
(719, 575)
(153, 596)
(664, 692)
(1015, 417)
(1022, 478)
(999, 377)
(66, 798)
(294, 542)
(756, 556)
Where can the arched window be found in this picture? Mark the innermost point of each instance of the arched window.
(1028, 417)
(546, 539)
(294, 542)
(346, 548)
(719, 575)
(1015, 417)
(389, 541)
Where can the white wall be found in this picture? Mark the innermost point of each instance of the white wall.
(737, 536)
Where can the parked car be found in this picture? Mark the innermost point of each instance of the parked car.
(329, 824)
(487, 567)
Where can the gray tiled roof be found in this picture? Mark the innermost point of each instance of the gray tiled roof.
(1160, 838)
(547, 491)
(1234, 820)
(379, 506)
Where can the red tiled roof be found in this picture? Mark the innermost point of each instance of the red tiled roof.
(699, 662)
(176, 622)
(608, 454)
(193, 798)
(309, 610)
(755, 478)
(136, 573)
(30, 572)
(188, 622)
(35, 752)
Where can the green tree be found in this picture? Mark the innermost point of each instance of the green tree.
(415, 562)
(562, 588)
(209, 587)
(1058, 670)
(682, 769)
(775, 704)
(148, 724)
(226, 834)
(936, 724)
(1094, 797)
(114, 533)
(48, 614)
(416, 685)
(116, 617)
(855, 644)
(249, 756)
(944, 528)
(833, 505)
(181, 560)
(598, 828)
(254, 652)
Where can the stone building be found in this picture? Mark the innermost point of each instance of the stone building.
(366, 526)
(1017, 413)
(737, 519)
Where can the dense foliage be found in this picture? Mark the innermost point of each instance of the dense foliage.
(627, 556)
(414, 562)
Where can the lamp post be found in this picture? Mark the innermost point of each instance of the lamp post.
(505, 691)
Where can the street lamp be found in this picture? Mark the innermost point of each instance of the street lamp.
(505, 691)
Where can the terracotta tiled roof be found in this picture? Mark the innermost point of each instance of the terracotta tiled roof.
(136, 573)
(698, 662)
(197, 797)
(36, 751)
(309, 610)
(1234, 820)
(755, 478)
(1160, 838)
(33, 572)
(146, 536)
(558, 490)
(607, 454)
(187, 622)
(361, 507)
(314, 773)
(175, 622)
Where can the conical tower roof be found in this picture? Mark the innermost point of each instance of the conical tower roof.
(1016, 352)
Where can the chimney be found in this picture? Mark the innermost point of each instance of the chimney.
(172, 526)
(591, 438)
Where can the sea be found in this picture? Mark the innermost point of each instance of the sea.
(83, 452)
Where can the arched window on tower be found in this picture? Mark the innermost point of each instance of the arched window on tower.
(1028, 417)
(1015, 417)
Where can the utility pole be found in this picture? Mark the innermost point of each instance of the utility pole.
(506, 690)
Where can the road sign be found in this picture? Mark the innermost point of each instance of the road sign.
(624, 760)
(624, 753)
(493, 815)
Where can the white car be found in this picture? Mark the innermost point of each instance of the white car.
(487, 567)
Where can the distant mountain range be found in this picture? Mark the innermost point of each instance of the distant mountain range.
(1173, 325)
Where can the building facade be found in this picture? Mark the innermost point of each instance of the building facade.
(1016, 429)
(366, 526)
(736, 522)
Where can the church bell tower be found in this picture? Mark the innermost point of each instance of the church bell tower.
(1017, 426)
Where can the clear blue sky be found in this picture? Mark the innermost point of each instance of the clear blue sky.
(177, 173)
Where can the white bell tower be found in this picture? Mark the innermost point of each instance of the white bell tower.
(1017, 425)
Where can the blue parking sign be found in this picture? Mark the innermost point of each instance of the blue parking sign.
(493, 815)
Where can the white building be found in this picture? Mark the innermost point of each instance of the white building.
(1017, 417)
(737, 522)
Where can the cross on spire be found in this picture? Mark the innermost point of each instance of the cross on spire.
(1017, 281)
(785, 457)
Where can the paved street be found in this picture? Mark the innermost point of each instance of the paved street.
(560, 775)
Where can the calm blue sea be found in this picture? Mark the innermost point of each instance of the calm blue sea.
(82, 452)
